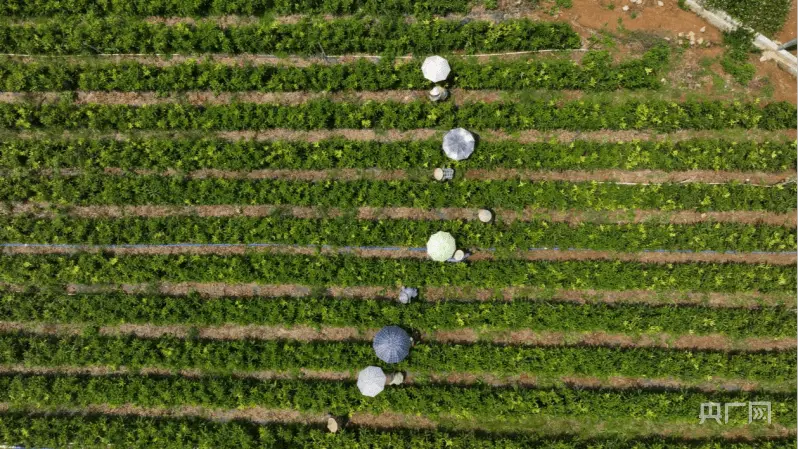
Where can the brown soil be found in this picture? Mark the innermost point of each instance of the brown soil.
(408, 253)
(526, 337)
(372, 213)
(749, 300)
(640, 177)
(790, 29)
(530, 136)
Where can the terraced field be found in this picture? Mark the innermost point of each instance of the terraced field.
(206, 216)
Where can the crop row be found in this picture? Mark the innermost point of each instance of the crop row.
(190, 153)
(317, 310)
(596, 72)
(309, 36)
(282, 355)
(341, 398)
(98, 188)
(326, 114)
(135, 432)
(351, 270)
(348, 231)
(199, 8)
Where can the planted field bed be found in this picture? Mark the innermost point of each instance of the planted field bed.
(208, 211)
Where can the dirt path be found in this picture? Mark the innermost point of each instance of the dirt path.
(418, 378)
(405, 213)
(393, 135)
(624, 177)
(750, 300)
(786, 258)
(716, 342)
(458, 97)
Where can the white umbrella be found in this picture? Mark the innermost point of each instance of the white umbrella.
(435, 69)
(458, 144)
(371, 381)
(441, 246)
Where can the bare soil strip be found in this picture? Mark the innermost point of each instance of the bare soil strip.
(411, 378)
(715, 342)
(749, 300)
(194, 98)
(166, 60)
(575, 217)
(640, 177)
(393, 135)
(411, 253)
(390, 420)
(200, 98)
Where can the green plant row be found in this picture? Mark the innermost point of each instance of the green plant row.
(349, 231)
(764, 16)
(116, 308)
(229, 356)
(351, 270)
(596, 73)
(326, 114)
(199, 8)
(342, 398)
(98, 188)
(309, 36)
(98, 431)
(194, 153)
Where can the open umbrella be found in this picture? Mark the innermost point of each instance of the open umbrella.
(458, 144)
(441, 246)
(435, 69)
(392, 344)
(371, 381)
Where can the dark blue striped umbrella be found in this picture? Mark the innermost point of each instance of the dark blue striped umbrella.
(392, 344)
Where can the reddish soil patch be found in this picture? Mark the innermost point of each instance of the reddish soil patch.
(790, 29)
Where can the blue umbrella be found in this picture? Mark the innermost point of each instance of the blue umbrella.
(392, 344)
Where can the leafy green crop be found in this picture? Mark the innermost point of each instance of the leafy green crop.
(229, 356)
(341, 398)
(596, 73)
(413, 233)
(309, 36)
(135, 432)
(93, 188)
(326, 114)
(351, 270)
(117, 308)
(194, 153)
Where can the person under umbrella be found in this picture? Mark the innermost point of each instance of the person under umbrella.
(458, 144)
(371, 381)
(392, 344)
(435, 69)
(441, 246)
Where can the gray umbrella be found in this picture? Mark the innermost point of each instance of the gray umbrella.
(458, 144)
(392, 344)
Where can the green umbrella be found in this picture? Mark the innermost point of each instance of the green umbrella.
(441, 246)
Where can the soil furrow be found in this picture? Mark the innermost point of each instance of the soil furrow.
(45, 210)
(199, 98)
(639, 177)
(411, 378)
(410, 253)
(715, 342)
(749, 300)
(393, 135)
(161, 60)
